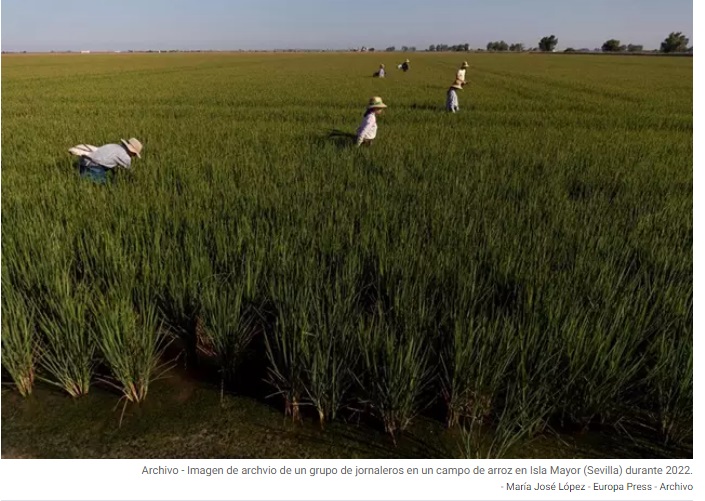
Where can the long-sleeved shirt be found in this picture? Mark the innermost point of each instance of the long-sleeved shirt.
(381, 73)
(452, 100)
(461, 75)
(110, 156)
(367, 129)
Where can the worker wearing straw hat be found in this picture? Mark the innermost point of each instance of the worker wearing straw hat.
(367, 131)
(452, 96)
(404, 66)
(95, 163)
(461, 72)
(380, 73)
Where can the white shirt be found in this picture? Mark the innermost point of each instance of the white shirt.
(368, 128)
(461, 74)
(110, 156)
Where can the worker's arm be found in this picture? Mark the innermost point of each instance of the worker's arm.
(82, 150)
(124, 160)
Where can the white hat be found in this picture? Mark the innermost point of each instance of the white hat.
(133, 145)
(376, 103)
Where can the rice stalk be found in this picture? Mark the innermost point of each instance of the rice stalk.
(395, 373)
(228, 328)
(68, 354)
(333, 355)
(474, 363)
(20, 350)
(132, 345)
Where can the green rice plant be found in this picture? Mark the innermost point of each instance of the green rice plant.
(526, 403)
(131, 343)
(603, 363)
(672, 380)
(332, 356)
(287, 349)
(509, 429)
(180, 300)
(530, 399)
(227, 324)
(68, 354)
(101, 258)
(395, 373)
(19, 340)
(288, 342)
(474, 360)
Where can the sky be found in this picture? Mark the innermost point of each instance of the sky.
(44, 25)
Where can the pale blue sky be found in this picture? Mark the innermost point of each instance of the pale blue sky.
(42, 25)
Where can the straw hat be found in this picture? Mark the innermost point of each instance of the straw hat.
(406, 61)
(376, 103)
(381, 66)
(133, 145)
(457, 85)
(464, 65)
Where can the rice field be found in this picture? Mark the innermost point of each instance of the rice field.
(517, 269)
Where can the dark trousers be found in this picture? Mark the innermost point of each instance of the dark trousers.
(94, 172)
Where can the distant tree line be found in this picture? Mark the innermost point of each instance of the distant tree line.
(463, 47)
(503, 46)
(545, 44)
(675, 42)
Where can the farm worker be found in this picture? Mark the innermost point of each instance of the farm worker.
(368, 128)
(380, 73)
(96, 162)
(405, 65)
(452, 98)
(461, 72)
